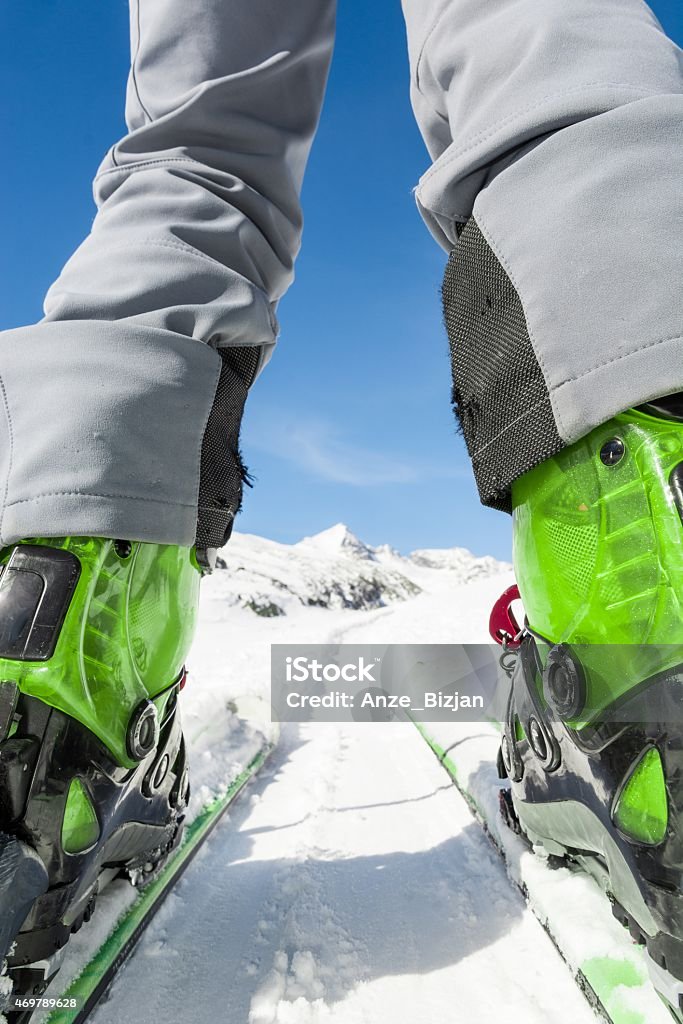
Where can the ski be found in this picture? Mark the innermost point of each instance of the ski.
(83, 994)
(607, 965)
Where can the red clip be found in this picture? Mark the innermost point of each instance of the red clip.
(183, 678)
(503, 625)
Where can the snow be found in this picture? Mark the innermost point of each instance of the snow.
(350, 883)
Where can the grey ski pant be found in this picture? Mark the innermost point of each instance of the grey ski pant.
(554, 127)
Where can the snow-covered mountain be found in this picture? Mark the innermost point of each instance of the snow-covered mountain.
(334, 569)
(458, 560)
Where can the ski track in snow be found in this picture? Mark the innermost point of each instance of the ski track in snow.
(350, 882)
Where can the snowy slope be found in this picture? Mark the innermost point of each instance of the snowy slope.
(351, 883)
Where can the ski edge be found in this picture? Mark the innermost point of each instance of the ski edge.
(100, 972)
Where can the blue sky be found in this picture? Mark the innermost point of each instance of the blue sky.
(351, 420)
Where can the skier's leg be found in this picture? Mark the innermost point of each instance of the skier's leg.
(556, 135)
(197, 230)
(120, 419)
(555, 131)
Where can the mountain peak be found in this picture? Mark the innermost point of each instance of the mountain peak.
(336, 540)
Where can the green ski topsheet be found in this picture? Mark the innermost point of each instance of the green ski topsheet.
(607, 964)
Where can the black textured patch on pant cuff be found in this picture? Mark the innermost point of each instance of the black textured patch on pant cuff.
(500, 395)
(223, 473)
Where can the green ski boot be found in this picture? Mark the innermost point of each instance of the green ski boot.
(593, 743)
(93, 774)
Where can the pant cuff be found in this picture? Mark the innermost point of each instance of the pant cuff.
(101, 428)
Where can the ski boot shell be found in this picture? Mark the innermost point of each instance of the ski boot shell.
(93, 772)
(593, 742)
